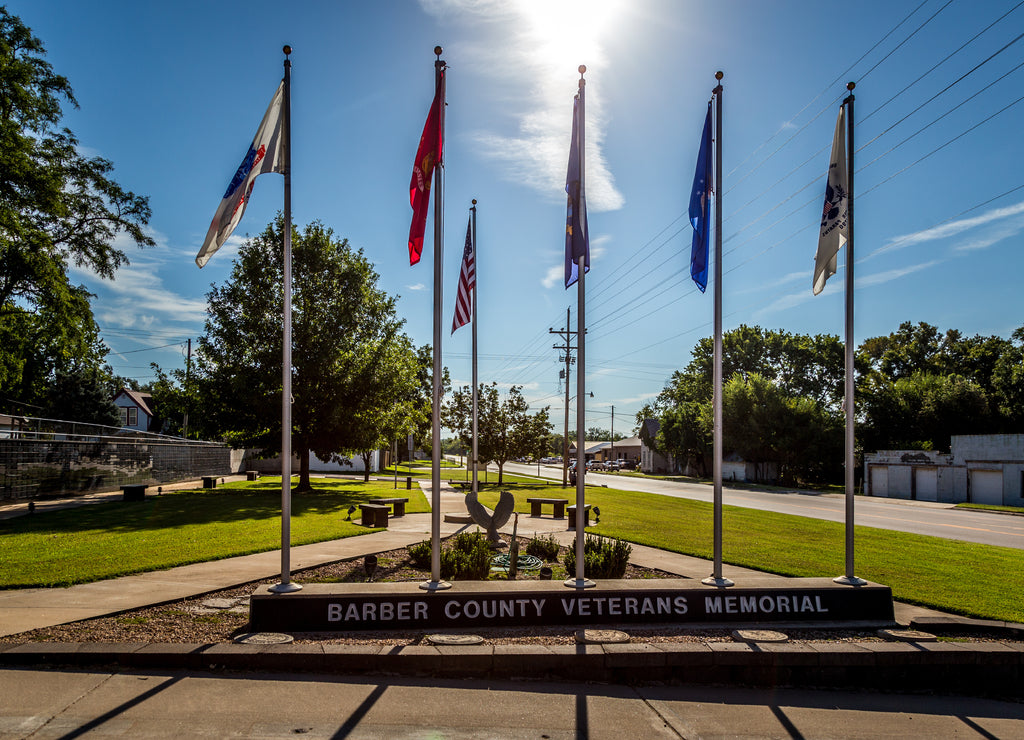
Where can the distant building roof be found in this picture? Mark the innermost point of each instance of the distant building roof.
(139, 398)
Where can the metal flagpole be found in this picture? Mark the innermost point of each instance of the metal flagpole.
(286, 585)
(435, 583)
(476, 280)
(581, 457)
(849, 578)
(716, 578)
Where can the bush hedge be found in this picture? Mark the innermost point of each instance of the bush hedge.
(603, 557)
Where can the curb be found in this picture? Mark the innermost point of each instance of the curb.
(992, 668)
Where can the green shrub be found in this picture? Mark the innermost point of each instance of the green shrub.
(603, 557)
(420, 554)
(468, 558)
(545, 548)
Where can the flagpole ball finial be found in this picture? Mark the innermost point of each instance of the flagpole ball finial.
(287, 50)
(583, 68)
(850, 86)
(474, 201)
(719, 75)
(438, 50)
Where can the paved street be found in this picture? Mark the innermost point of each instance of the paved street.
(920, 517)
(67, 704)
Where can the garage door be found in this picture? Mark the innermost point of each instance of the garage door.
(926, 484)
(879, 480)
(987, 486)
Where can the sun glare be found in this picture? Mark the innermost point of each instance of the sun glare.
(568, 32)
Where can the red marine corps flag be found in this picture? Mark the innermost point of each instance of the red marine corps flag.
(428, 156)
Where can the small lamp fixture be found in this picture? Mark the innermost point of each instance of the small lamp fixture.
(370, 565)
(597, 515)
(351, 511)
(31, 507)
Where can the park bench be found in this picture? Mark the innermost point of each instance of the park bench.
(374, 515)
(209, 481)
(134, 492)
(252, 475)
(557, 505)
(397, 504)
(572, 516)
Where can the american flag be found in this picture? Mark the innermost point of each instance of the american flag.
(467, 283)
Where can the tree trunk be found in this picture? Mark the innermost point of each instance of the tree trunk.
(303, 472)
(501, 467)
(366, 465)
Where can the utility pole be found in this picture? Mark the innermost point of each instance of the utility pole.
(188, 371)
(567, 334)
(611, 454)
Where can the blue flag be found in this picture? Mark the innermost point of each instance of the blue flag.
(700, 208)
(577, 242)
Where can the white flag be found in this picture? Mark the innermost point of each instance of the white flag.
(835, 222)
(266, 154)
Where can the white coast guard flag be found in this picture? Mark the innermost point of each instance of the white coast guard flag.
(835, 223)
(266, 154)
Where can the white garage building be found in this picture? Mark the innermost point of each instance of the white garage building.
(980, 468)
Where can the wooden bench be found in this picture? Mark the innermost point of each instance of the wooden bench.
(397, 504)
(557, 505)
(572, 516)
(374, 515)
(134, 492)
(209, 481)
(252, 475)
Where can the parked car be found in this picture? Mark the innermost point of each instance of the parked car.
(611, 465)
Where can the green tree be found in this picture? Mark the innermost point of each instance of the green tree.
(923, 411)
(353, 373)
(764, 424)
(81, 394)
(57, 207)
(505, 428)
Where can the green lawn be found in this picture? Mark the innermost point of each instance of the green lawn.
(993, 507)
(98, 541)
(953, 576)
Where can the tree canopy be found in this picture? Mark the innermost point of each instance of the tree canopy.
(782, 396)
(355, 373)
(57, 208)
(505, 428)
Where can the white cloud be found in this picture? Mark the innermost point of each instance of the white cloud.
(416, 286)
(837, 284)
(541, 46)
(956, 227)
(554, 276)
(137, 297)
(890, 275)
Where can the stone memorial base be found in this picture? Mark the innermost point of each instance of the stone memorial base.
(343, 607)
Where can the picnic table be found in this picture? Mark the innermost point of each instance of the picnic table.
(374, 515)
(572, 516)
(557, 505)
(397, 504)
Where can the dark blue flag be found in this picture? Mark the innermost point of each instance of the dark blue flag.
(700, 208)
(577, 242)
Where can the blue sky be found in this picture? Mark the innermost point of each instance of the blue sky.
(172, 94)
